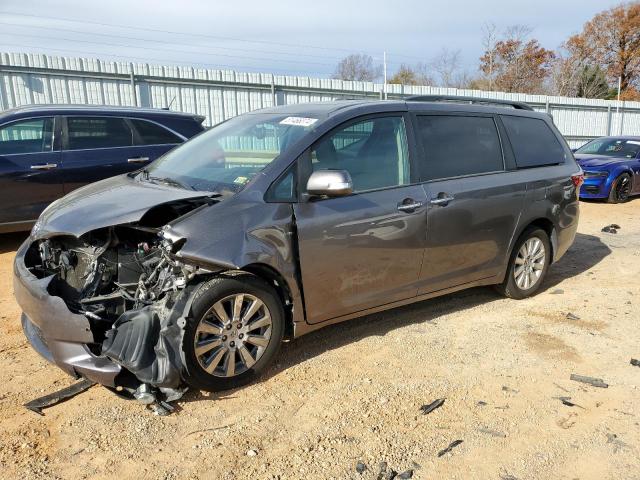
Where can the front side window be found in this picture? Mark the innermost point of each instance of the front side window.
(533, 142)
(153, 134)
(373, 151)
(27, 136)
(97, 132)
(456, 145)
(613, 147)
(226, 157)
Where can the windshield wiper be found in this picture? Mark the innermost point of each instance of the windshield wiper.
(167, 181)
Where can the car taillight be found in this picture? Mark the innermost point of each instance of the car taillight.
(577, 180)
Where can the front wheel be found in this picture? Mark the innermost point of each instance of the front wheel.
(234, 331)
(620, 189)
(528, 264)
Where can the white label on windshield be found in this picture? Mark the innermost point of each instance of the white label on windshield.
(633, 142)
(299, 121)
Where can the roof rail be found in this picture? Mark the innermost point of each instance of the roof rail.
(471, 100)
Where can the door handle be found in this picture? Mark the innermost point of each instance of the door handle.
(409, 205)
(44, 166)
(442, 200)
(138, 160)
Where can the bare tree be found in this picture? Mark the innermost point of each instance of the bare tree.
(358, 66)
(564, 76)
(489, 40)
(447, 66)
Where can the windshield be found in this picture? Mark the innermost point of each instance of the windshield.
(612, 147)
(226, 157)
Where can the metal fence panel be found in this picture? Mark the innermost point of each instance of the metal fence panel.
(27, 79)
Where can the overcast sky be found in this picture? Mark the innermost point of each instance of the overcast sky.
(279, 36)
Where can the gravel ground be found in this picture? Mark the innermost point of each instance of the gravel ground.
(352, 392)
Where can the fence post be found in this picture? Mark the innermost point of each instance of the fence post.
(273, 90)
(622, 117)
(609, 114)
(132, 79)
(2, 104)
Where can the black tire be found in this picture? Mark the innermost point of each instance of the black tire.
(509, 287)
(213, 291)
(620, 189)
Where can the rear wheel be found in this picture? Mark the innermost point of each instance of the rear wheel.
(233, 334)
(528, 264)
(620, 189)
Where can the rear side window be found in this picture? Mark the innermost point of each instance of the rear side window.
(27, 136)
(457, 145)
(98, 132)
(533, 142)
(153, 134)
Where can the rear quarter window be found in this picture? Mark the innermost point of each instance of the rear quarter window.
(534, 143)
(153, 134)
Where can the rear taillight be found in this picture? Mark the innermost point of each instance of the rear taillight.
(577, 180)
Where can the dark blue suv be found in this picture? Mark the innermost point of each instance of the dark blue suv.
(48, 150)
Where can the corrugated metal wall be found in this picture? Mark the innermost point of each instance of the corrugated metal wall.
(220, 94)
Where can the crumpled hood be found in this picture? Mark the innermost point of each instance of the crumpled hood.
(597, 160)
(113, 201)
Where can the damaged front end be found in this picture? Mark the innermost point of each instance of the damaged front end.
(109, 305)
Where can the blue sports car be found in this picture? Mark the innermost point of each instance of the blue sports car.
(611, 168)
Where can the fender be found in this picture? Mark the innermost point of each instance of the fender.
(245, 232)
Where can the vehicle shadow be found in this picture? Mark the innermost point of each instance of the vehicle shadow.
(586, 252)
(9, 242)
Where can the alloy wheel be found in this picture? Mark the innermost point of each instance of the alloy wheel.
(623, 188)
(232, 335)
(529, 263)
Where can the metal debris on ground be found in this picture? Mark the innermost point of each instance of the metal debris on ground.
(451, 446)
(595, 382)
(567, 401)
(508, 389)
(481, 403)
(635, 362)
(360, 467)
(557, 291)
(426, 409)
(162, 408)
(571, 316)
(57, 397)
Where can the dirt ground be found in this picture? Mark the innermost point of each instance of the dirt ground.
(353, 392)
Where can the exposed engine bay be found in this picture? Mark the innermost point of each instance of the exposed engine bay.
(134, 290)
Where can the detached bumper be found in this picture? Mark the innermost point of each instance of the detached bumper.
(55, 332)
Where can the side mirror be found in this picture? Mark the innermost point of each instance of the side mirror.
(330, 183)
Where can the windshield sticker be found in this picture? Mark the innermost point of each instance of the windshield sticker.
(241, 180)
(299, 121)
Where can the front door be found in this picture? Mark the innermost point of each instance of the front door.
(30, 173)
(363, 250)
